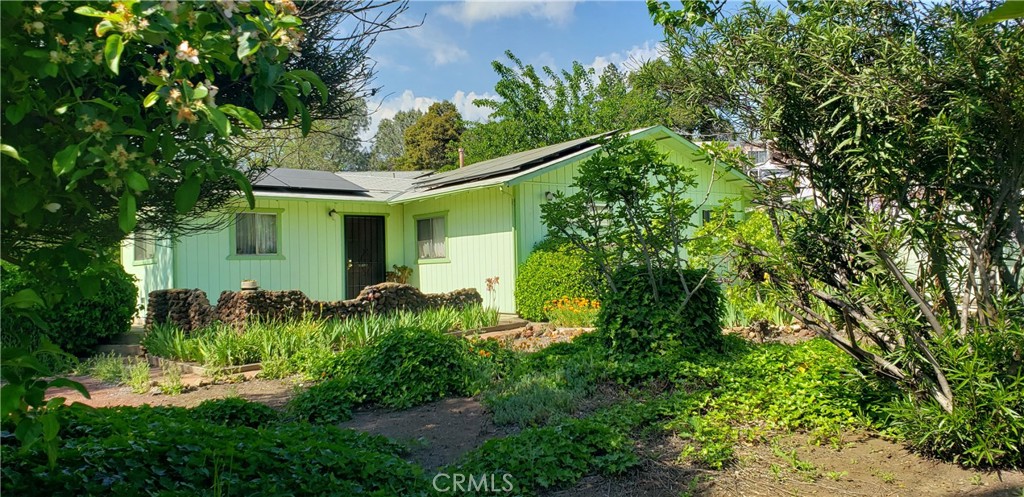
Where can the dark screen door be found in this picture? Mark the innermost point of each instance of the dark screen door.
(364, 253)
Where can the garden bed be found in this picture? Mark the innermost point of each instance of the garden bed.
(198, 369)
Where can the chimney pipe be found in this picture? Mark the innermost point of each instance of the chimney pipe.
(462, 157)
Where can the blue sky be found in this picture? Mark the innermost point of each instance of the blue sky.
(449, 56)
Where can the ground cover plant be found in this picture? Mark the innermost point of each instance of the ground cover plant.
(212, 450)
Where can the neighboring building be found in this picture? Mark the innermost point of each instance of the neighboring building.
(331, 234)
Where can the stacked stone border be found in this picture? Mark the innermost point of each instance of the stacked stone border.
(190, 309)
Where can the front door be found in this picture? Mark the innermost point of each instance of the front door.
(364, 253)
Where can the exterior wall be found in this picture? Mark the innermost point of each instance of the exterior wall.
(480, 244)
(155, 274)
(311, 246)
(530, 194)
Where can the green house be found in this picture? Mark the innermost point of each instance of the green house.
(331, 234)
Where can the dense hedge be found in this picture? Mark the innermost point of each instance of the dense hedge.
(173, 452)
(552, 271)
(74, 326)
(406, 367)
(634, 322)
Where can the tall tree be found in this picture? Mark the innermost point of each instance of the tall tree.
(389, 142)
(431, 142)
(538, 108)
(905, 120)
(331, 145)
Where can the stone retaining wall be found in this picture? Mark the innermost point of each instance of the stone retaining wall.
(185, 309)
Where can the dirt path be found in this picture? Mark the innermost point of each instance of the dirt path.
(437, 433)
(274, 393)
(866, 466)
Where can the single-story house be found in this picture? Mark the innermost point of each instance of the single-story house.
(331, 234)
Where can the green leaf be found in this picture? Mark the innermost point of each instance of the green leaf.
(244, 185)
(1012, 9)
(50, 427)
(312, 78)
(10, 398)
(104, 27)
(248, 117)
(126, 212)
(150, 99)
(136, 181)
(64, 161)
(187, 194)
(219, 120)
(307, 122)
(112, 52)
(264, 98)
(91, 12)
(24, 299)
(64, 382)
(11, 152)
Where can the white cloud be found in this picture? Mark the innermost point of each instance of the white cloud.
(408, 100)
(631, 59)
(470, 12)
(442, 50)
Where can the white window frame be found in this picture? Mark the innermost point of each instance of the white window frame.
(236, 247)
(433, 221)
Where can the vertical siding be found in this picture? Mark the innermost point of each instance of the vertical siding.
(149, 277)
(480, 244)
(530, 194)
(311, 243)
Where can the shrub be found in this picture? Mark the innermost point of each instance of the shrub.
(171, 451)
(551, 272)
(74, 326)
(987, 423)
(329, 402)
(235, 412)
(407, 367)
(550, 457)
(633, 321)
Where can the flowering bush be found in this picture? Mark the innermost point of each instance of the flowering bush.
(573, 312)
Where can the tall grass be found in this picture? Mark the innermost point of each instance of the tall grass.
(292, 347)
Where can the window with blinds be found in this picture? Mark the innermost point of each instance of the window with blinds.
(430, 238)
(255, 234)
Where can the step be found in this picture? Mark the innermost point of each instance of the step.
(131, 338)
(128, 350)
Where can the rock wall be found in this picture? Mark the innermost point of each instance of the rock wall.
(186, 309)
(237, 308)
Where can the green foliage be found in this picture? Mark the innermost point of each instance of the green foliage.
(635, 321)
(75, 325)
(113, 121)
(108, 368)
(389, 142)
(550, 387)
(552, 457)
(538, 107)
(554, 270)
(431, 142)
(23, 410)
(301, 347)
(986, 426)
(136, 376)
(407, 366)
(171, 384)
(173, 451)
(236, 412)
(328, 402)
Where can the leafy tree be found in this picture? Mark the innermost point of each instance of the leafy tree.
(389, 142)
(631, 213)
(331, 145)
(905, 120)
(538, 108)
(431, 141)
